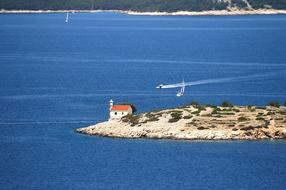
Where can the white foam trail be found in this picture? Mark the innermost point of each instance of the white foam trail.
(222, 80)
(48, 96)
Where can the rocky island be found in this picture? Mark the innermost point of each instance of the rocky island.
(198, 122)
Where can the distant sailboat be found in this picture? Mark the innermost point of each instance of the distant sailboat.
(67, 18)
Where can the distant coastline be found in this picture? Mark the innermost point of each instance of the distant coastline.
(178, 13)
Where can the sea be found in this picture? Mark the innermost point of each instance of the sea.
(56, 77)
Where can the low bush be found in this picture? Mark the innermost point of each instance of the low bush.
(242, 119)
(200, 107)
(247, 128)
(173, 120)
(274, 104)
(249, 107)
(260, 118)
(134, 120)
(153, 119)
(196, 112)
(226, 104)
(187, 117)
(227, 113)
(202, 128)
(236, 110)
(270, 113)
(216, 110)
(260, 107)
(266, 124)
(212, 126)
(194, 103)
(176, 116)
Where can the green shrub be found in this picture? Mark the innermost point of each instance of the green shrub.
(149, 115)
(260, 107)
(279, 118)
(194, 103)
(227, 113)
(196, 112)
(176, 116)
(247, 128)
(202, 128)
(266, 124)
(200, 107)
(187, 117)
(249, 107)
(260, 118)
(134, 120)
(226, 104)
(236, 110)
(242, 119)
(216, 110)
(172, 120)
(153, 119)
(274, 104)
(270, 113)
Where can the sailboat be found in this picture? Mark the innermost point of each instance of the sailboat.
(181, 85)
(67, 18)
(182, 90)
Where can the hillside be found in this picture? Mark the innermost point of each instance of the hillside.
(143, 5)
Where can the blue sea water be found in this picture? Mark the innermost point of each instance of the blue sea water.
(55, 77)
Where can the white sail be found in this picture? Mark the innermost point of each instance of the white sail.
(67, 18)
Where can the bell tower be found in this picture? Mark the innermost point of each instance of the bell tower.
(110, 105)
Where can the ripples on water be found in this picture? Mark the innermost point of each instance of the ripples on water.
(55, 77)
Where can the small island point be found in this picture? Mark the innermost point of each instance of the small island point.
(197, 122)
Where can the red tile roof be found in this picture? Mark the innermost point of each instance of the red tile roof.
(120, 108)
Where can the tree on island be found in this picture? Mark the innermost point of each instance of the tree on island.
(194, 103)
(226, 104)
(274, 104)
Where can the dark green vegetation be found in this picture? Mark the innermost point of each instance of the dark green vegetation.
(133, 119)
(226, 104)
(138, 5)
(274, 104)
(241, 119)
(176, 116)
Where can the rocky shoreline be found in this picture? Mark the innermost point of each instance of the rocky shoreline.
(178, 13)
(198, 122)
